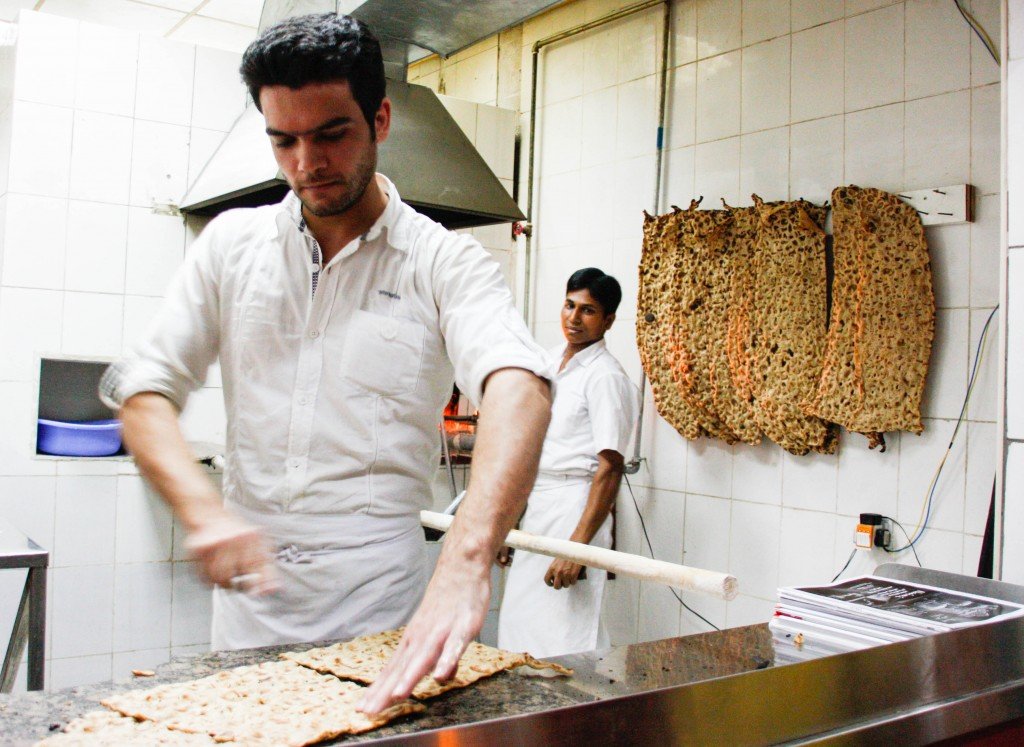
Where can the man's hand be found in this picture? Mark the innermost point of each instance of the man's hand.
(562, 574)
(234, 555)
(450, 616)
(514, 415)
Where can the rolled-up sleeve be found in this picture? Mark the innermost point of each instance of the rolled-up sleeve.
(613, 402)
(183, 339)
(482, 329)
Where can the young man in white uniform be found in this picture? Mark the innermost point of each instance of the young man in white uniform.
(548, 609)
(340, 317)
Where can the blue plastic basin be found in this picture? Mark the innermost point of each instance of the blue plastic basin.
(89, 438)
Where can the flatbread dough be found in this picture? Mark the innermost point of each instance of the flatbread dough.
(275, 702)
(108, 728)
(362, 660)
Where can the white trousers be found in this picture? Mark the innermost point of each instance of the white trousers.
(535, 617)
(327, 592)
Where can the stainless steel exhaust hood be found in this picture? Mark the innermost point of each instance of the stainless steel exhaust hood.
(431, 161)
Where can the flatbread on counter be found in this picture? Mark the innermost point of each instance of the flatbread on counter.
(883, 316)
(271, 703)
(362, 660)
(108, 728)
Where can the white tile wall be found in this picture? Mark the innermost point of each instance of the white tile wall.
(35, 227)
(816, 164)
(719, 26)
(817, 70)
(142, 606)
(939, 124)
(765, 85)
(808, 13)
(159, 163)
(82, 622)
(938, 48)
(165, 79)
(792, 101)
(764, 19)
(103, 117)
(47, 52)
(874, 58)
(92, 324)
(218, 94)
(718, 97)
(101, 157)
(29, 326)
(156, 247)
(97, 239)
(40, 149)
(106, 69)
(764, 164)
(874, 147)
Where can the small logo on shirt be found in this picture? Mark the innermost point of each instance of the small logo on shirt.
(389, 294)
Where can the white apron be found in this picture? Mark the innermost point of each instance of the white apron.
(341, 578)
(535, 617)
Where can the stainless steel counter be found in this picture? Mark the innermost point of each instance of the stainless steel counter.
(715, 688)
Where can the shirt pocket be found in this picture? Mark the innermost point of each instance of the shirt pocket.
(382, 354)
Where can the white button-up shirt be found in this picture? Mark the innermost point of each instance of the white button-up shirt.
(595, 408)
(334, 396)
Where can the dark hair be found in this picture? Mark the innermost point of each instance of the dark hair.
(604, 288)
(317, 48)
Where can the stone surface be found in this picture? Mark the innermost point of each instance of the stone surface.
(622, 670)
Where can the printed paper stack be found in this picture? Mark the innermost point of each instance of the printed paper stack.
(813, 621)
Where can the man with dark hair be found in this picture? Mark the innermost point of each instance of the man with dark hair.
(549, 608)
(340, 317)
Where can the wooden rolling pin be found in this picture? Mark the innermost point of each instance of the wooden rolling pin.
(680, 576)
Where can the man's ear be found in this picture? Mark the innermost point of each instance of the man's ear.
(382, 120)
(608, 321)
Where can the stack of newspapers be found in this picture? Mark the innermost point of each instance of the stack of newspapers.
(814, 621)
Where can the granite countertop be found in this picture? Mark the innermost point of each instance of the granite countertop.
(621, 670)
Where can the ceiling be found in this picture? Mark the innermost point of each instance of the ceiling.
(225, 24)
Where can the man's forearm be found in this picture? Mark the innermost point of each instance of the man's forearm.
(154, 438)
(514, 417)
(600, 500)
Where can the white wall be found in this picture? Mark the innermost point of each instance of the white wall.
(1013, 492)
(105, 124)
(788, 99)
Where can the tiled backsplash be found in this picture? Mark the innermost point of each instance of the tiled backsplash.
(105, 125)
(789, 99)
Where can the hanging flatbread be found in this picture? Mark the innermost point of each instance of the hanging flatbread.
(105, 728)
(883, 316)
(659, 353)
(789, 320)
(362, 660)
(697, 319)
(276, 703)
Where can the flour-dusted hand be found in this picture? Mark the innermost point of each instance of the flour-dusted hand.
(233, 554)
(450, 616)
(514, 415)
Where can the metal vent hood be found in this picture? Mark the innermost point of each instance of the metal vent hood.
(431, 161)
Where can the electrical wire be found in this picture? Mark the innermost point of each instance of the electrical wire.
(650, 547)
(908, 540)
(979, 30)
(926, 508)
(847, 565)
